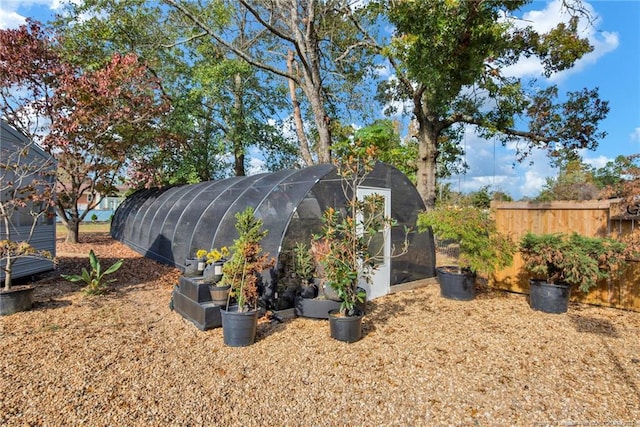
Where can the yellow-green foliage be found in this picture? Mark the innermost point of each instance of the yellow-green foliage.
(243, 269)
(482, 248)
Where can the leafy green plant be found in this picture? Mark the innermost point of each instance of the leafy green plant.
(94, 279)
(573, 259)
(247, 261)
(482, 248)
(350, 254)
(303, 262)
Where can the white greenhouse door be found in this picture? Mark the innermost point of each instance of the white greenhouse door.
(381, 244)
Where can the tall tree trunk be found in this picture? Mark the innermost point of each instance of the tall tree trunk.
(428, 131)
(321, 119)
(71, 222)
(297, 114)
(308, 47)
(426, 173)
(238, 130)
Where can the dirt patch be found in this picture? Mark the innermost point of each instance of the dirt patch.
(126, 359)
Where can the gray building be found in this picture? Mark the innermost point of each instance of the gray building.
(12, 149)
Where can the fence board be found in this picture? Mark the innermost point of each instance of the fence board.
(594, 218)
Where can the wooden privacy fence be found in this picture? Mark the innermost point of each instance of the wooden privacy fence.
(592, 218)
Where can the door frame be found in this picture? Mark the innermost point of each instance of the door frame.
(381, 278)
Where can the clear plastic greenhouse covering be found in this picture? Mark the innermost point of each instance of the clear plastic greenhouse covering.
(170, 224)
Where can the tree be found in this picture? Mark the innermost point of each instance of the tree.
(26, 197)
(450, 65)
(611, 177)
(575, 181)
(312, 44)
(96, 119)
(221, 106)
(385, 136)
(627, 184)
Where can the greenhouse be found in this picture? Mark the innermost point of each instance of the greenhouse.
(170, 224)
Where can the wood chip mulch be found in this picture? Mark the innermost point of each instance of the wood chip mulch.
(126, 359)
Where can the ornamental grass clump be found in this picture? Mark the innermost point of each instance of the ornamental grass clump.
(482, 248)
(573, 259)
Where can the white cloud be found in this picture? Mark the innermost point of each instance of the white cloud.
(14, 13)
(10, 19)
(597, 162)
(532, 183)
(256, 166)
(635, 135)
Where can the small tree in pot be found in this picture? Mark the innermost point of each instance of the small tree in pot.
(559, 261)
(242, 273)
(350, 254)
(303, 269)
(482, 248)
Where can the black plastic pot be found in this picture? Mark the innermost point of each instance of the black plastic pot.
(239, 328)
(18, 298)
(345, 328)
(191, 267)
(549, 297)
(456, 284)
(212, 273)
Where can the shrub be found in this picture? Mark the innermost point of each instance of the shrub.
(573, 259)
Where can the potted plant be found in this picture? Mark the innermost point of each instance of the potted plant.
(482, 248)
(350, 257)
(303, 270)
(242, 273)
(194, 267)
(213, 273)
(560, 261)
(214, 261)
(17, 298)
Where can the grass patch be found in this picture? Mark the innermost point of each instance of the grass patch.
(85, 227)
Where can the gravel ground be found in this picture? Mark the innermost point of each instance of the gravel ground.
(125, 359)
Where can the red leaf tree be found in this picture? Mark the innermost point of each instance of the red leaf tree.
(94, 122)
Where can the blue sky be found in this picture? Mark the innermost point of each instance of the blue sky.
(613, 67)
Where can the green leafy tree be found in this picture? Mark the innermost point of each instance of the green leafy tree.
(613, 176)
(221, 107)
(450, 66)
(481, 199)
(315, 46)
(575, 181)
